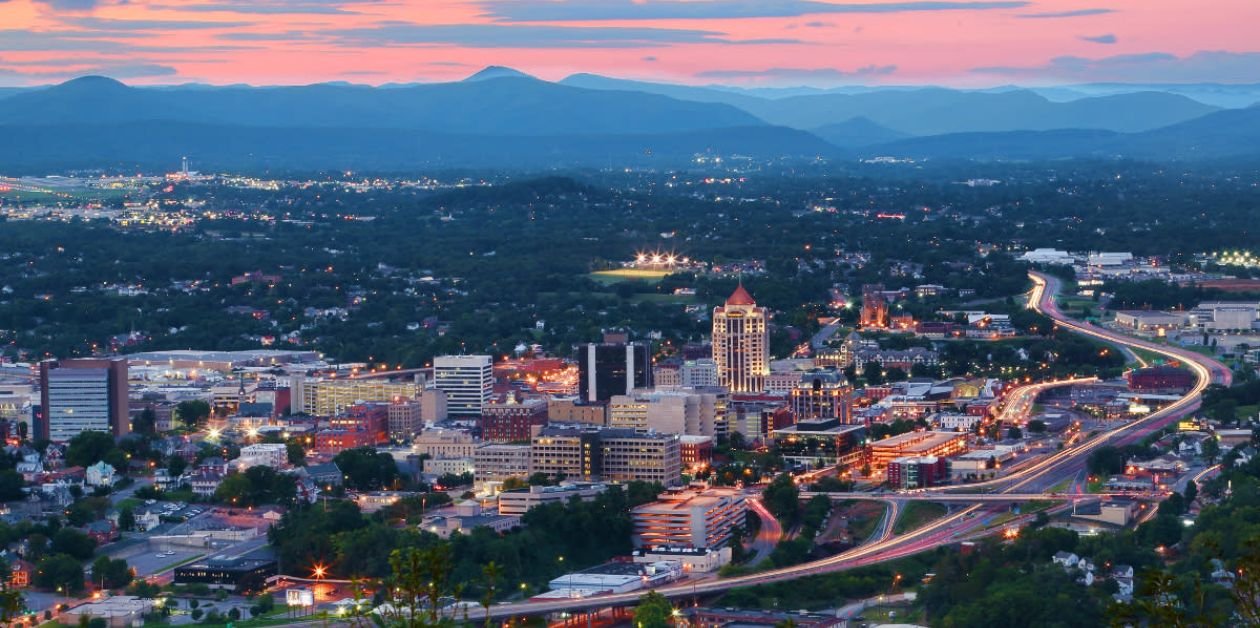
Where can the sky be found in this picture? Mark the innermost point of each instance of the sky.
(824, 43)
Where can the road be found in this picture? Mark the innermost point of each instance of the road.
(769, 534)
(966, 523)
(937, 496)
(1019, 403)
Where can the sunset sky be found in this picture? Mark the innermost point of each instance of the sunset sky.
(743, 42)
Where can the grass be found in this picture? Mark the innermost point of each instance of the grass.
(917, 514)
(178, 563)
(679, 299)
(1146, 354)
(893, 614)
(862, 523)
(1247, 412)
(628, 274)
(277, 617)
(1096, 486)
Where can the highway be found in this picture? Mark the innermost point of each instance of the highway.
(1019, 403)
(966, 523)
(934, 496)
(769, 534)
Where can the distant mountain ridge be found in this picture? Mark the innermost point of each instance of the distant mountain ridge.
(494, 104)
(500, 117)
(937, 110)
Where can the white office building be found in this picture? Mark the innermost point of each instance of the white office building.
(467, 380)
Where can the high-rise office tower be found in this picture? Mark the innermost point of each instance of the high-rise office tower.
(88, 395)
(741, 343)
(609, 369)
(467, 380)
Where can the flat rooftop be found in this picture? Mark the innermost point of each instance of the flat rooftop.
(915, 441)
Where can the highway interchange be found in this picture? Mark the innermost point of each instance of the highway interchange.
(1034, 479)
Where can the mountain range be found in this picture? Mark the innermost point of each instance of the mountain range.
(503, 118)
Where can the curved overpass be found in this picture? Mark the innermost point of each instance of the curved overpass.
(950, 527)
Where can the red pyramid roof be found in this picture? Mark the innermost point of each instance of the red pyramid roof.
(740, 297)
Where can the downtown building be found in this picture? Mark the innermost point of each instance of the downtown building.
(692, 517)
(671, 411)
(468, 381)
(612, 368)
(821, 395)
(741, 343)
(85, 395)
(608, 454)
(330, 397)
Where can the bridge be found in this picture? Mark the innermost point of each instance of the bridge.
(925, 496)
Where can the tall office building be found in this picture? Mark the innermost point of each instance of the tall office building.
(88, 395)
(467, 380)
(609, 369)
(741, 343)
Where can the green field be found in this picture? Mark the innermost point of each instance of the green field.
(916, 514)
(628, 274)
(863, 519)
(679, 299)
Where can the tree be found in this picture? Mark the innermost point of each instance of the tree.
(176, 465)
(782, 498)
(1106, 460)
(234, 614)
(59, 571)
(193, 412)
(421, 577)
(873, 372)
(89, 448)
(11, 483)
(73, 543)
(1192, 492)
(296, 454)
(653, 611)
(1014, 433)
(366, 469)
(1211, 450)
(1226, 411)
(491, 574)
(145, 423)
(1037, 426)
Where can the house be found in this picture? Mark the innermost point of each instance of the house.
(213, 464)
(102, 531)
(100, 474)
(164, 481)
(327, 474)
(54, 457)
(1067, 559)
(1221, 575)
(1123, 575)
(205, 482)
(148, 517)
(30, 469)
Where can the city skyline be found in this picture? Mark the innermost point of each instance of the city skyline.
(817, 43)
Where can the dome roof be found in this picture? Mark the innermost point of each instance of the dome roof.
(740, 297)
